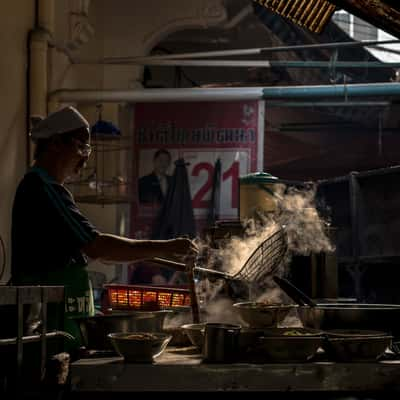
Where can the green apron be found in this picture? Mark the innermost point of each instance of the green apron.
(78, 301)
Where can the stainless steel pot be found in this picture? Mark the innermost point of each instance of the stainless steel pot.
(221, 342)
(384, 317)
(95, 329)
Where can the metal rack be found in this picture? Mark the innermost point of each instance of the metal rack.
(365, 211)
(18, 297)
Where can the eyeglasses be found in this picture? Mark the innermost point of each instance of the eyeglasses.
(85, 149)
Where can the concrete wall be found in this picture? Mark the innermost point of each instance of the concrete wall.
(16, 19)
(131, 28)
(120, 28)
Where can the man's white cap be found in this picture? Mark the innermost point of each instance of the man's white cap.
(65, 120)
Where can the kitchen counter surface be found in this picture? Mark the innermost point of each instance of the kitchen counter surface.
(182, 369)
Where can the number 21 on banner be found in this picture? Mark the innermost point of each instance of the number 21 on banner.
(202, 198)
(201, 175)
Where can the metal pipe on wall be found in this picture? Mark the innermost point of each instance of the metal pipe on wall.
(243, 13)
(242, 52)
(343, 90)
(296, 104)
(226, 94)
(38, 72)
(262, 63)
(46, 15)
(157, 95)
(38, 47)
(39, 39)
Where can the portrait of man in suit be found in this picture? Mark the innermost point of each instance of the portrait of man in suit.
(153, 187)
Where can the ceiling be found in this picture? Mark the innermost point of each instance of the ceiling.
(384, 14)
(315, 14)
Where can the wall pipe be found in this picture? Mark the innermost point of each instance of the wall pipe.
(241, 52)
(226, 94)
(345, 91)
(264, 63)
(39, 42)
(156, 95)
(46, 15)
(328, 104)
(243, 13)
(38, 72)
(39, 39)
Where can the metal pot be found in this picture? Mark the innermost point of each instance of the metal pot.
(221, 342)
(95, 329)
(384, 317)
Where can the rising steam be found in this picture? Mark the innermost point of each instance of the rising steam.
(305, 232)
(304, 229)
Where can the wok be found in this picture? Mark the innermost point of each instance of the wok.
(384, 317)
(326, 316)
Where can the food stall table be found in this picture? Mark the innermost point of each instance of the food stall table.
(182, 369)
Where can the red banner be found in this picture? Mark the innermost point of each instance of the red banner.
(200, 133)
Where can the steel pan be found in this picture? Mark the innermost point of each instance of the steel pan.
(384, 317)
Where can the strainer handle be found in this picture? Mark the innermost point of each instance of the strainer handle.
(293, 292)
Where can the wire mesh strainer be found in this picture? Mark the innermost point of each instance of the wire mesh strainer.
(264, 260)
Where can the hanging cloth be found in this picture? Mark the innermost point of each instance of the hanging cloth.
(176, 217)
(214, 209)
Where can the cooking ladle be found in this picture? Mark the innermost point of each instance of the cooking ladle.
(192, 289)
(294, 293)
(183, 268)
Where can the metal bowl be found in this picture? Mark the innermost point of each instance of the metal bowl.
(195, 333)
(139, 347)
(292, 332)
(278, 346)
(343, 333)
(263, 315)
(248, 338)
(179, 339)
(94, 330)
(356, 348)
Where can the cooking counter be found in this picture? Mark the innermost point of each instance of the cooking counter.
(181, 369)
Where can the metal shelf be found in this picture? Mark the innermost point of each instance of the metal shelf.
(103, 199)
(13, 295)
(108, 143)
(384, 259)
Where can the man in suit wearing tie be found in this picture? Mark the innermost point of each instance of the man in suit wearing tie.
(153, 187)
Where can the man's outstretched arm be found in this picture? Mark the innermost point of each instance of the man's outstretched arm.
(117, 249)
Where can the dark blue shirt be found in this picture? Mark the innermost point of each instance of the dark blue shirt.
(48, 230)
